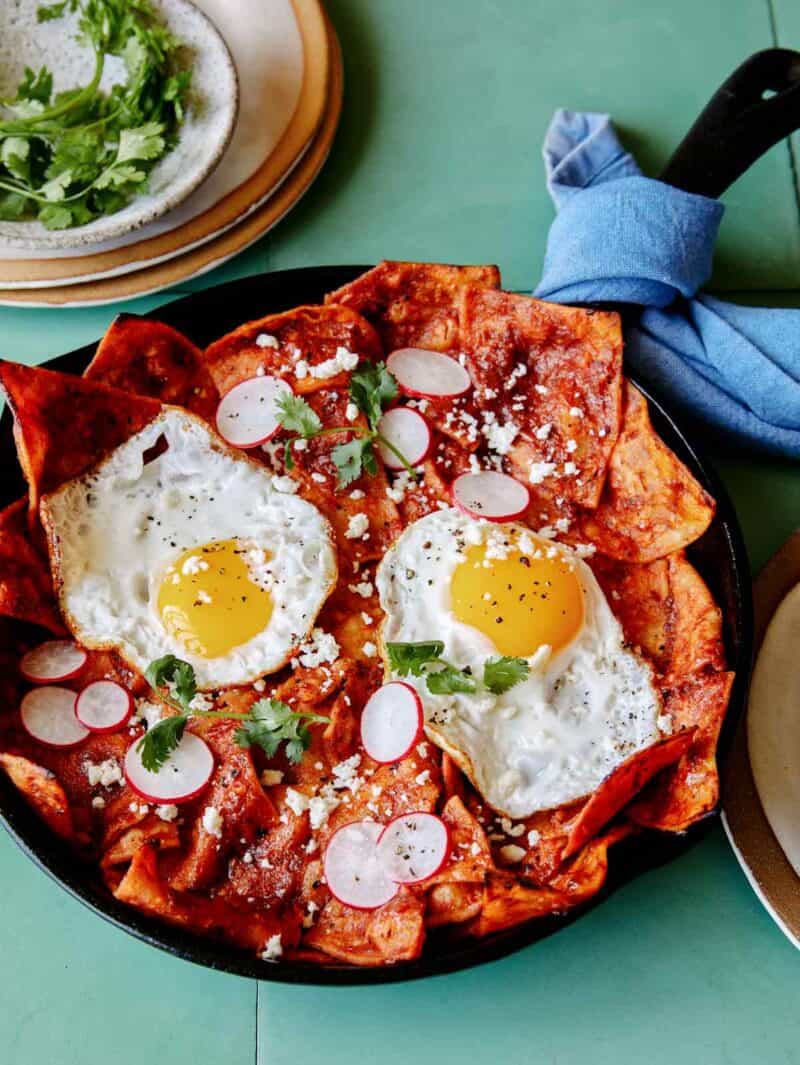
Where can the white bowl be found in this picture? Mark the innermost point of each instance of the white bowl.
(202, 139)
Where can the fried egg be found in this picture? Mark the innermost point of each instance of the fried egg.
(486, 591)
(177, 544)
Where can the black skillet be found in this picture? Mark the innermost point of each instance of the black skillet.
(756, 107)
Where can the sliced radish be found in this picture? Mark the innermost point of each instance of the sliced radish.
(428, 374)
(182, 777)
(352, 870)
(248, 415)
(48, 714)
(413, 847)
(53, 660)
(104, 706)
(490, 495)
(409, 432)
(391, 722)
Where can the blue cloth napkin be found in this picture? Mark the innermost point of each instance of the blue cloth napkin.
(620, 237)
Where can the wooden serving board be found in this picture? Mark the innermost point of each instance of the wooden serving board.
(754, 843)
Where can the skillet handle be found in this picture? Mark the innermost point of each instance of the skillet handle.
(756, 107)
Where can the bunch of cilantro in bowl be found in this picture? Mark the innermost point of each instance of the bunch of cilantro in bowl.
(70, 157)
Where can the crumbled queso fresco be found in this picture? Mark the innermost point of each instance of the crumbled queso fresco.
(342, 361)
(319, 648)
(105, 773)
(357, 526)
(212, 821)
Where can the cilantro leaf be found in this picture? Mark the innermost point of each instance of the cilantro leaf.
(371, 388)
(368, 459)
(296, 415)
(405, 658)
(55, 189)
(36, 85)
(48, 12)
(160, 741)
(351, 458)
(175, 674)
(501, 674)
(14, 155)
(120, 176)
(143, 142)
(448, 680)
(272, 722)
(12, 207)
(296, 748)
(54, 216)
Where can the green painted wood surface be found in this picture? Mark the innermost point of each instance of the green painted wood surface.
(438, 157)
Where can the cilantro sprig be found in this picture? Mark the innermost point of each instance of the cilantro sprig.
(372, 387)
(69, 157)
(267, 724)
(424, 659)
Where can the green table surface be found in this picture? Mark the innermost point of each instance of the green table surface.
(438, 157)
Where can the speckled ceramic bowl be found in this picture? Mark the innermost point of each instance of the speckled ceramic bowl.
(203, 138)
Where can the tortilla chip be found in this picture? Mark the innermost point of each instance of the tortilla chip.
(64, 424)
(152, 359)
(453, 903)
(69, 764)
(453, 780)
(508, 902)
(620, 786)
(470, 858)
(691, 789)
(236, 793)
(42, 791)
(394, 932)
(26, 587)
(455, 893)
(394, 789)
(162, 834)
(337, 691)
(564, 368)
(544, 840)
(309, 334)
(271, 869)
(667, 611)
(414, 304)
(651, 505)
(143, 888)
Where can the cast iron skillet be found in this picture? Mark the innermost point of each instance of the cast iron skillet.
(736, 127)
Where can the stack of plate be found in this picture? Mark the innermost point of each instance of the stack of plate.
(290, 89)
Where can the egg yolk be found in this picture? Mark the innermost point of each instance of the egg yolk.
(520, 602)
(209, 601)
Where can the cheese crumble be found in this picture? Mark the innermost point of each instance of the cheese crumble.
(212, 821)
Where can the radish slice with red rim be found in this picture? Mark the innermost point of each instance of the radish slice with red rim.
(407, 431)
(247, 415)
(391, 722)
(428, 374)
(413, 847)
(352, 870)
(103, 706)
(182, 777)
(53, 660)
(48, 714)
(490, 495)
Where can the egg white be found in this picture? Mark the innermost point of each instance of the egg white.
(553, 737)
(114, 531)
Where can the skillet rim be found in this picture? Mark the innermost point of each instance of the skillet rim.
(720, 555)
